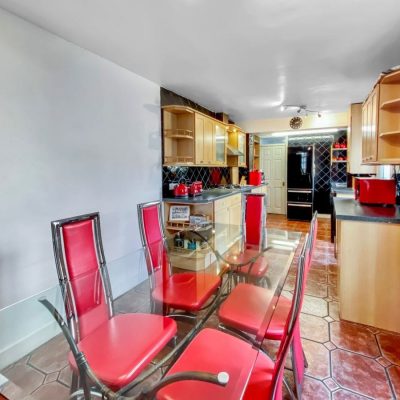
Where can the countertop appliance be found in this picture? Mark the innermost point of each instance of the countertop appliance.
(300, 182)
(181, 190)
(196, 188)
(375, 191)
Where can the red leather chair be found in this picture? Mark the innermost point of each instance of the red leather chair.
(186, 291)
(117, 347)
(253, 222)
(245, 307)
(253, 375)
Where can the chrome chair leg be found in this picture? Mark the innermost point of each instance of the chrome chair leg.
(289, 389)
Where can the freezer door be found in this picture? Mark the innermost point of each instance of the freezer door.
(300, 167)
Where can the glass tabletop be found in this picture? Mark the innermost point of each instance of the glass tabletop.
(206, 252)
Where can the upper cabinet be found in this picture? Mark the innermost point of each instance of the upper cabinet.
(205, 138)
(354, 142)
(370, 127)
(178, 135)
(389, 119)
(193, 138)
(236, 149)
(381, 122)
(221, 140)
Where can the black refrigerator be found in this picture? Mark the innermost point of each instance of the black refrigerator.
(300, 183)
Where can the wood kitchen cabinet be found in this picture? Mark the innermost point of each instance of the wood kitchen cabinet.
(227, 218)
(389, 119)
(204, 140)
(381, 122)
(220, 141)
(236, 147)
(354, 142)
(178, 135)
(370, 127)
(193, 138)
(210, 141)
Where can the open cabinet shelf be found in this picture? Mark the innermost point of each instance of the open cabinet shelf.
(178, 135)
(389, 133)
(391, 105)
(393, 78)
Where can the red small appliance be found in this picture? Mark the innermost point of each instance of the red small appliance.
(255, 177)
(375, 191)
(181, 190)
(196, 188)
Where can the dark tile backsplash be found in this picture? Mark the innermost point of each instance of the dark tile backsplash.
(191, 174)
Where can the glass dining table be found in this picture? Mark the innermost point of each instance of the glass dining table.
(204, 250)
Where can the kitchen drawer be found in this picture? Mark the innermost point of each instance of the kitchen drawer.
(227, 201)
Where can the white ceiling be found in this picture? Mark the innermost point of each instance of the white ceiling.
(243, 57)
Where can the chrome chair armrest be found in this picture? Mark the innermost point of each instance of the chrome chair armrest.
(221, 379)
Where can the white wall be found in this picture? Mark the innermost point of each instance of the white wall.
(77, 134)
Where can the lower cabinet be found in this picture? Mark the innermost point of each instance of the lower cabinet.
(227, 218)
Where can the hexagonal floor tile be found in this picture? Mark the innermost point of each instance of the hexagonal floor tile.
(354, 337)
(314, 328)
(360, 374)
(318, 359)
(24, 377)
(346, 395)
(390, 345)
(314, 390)
(51, 391)
(51, 356)
(316, 289)
(319, 276)
(315, 306)
(394, 375)
(334, 310)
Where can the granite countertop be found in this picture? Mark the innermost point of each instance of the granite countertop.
(341, 189)
(212, 195)
(349, 209)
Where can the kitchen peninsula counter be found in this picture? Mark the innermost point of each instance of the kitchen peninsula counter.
(352, 210)
(368, 253)
(212, 195)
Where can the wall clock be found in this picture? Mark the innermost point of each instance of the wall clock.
(296, 122)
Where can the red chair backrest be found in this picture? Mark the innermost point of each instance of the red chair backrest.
(79, 269)
(290, 330)
(153, 241)
(254, 218)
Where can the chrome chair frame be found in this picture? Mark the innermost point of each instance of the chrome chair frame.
(93, 387)
(62, 270)
(150, 267)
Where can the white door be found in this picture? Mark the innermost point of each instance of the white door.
(273, 161)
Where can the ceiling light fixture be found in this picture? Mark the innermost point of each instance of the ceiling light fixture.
(305, 132)
(300, 109)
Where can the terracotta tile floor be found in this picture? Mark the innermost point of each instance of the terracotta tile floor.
(346, 361)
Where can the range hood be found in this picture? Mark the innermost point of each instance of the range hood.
(230, 151)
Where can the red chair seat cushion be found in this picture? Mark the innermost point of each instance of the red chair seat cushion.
(276, 327)
(257, 270)
(260, 383)
(187, 291)
(245, 307)
(119, 349)
(212, 351)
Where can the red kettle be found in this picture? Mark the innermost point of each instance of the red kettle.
(181, 190)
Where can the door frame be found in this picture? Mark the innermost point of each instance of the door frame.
(284, 187)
